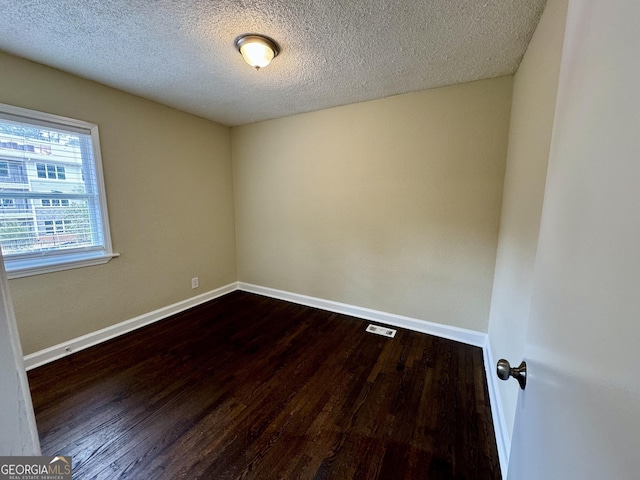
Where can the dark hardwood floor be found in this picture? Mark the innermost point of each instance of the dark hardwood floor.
(250, 387)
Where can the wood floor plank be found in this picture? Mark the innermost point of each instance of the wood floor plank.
(247, 387)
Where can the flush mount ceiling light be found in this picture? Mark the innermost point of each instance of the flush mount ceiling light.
(257, 50)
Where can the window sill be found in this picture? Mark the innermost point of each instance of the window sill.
(26, 268)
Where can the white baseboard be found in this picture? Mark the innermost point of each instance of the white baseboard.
(503, 439)
(50, 354)
(470, 337)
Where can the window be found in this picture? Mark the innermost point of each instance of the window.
(52, 227)
(54, 202)
(52, 172)
(74, 230)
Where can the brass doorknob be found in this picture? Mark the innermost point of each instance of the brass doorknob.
(504, 371)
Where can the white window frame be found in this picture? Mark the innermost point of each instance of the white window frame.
(39, 263)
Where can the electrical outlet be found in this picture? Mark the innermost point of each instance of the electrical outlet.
(194, 282)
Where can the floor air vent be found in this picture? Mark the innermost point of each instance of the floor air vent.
(384, 331)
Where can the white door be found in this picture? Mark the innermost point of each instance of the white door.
(18, 434)
(579, 417)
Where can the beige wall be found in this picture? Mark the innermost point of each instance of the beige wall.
(169, 192)
(532, 115)
(391, 204)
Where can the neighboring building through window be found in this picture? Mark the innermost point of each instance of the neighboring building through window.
(53, 213)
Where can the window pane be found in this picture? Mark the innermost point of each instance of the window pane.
(51, 171)
(65, 203)
(4, 169)
(42, 172)
(61, 173)
(46, 203)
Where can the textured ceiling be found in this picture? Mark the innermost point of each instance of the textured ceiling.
(180, 52)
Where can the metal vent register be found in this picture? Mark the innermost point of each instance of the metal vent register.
(384, 331)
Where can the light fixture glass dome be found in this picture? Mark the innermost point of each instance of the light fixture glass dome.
(257, 50)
